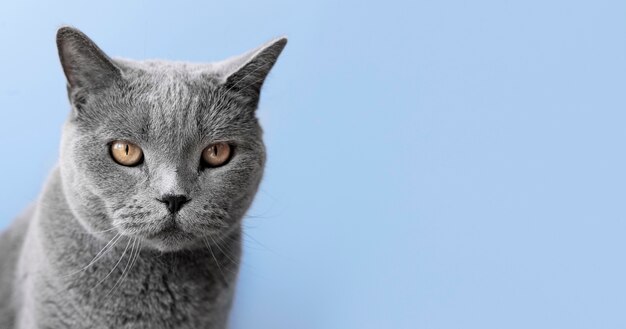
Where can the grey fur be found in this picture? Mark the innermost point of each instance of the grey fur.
(150, 273)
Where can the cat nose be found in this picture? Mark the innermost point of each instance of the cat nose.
(174, 202)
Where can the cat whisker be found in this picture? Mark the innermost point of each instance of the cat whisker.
(114, 267)
(223, 241)
(131, 261)
(210, 225)
(107, 230)
(257, 241)
(99, 255)
(223, 252)
(206, 243)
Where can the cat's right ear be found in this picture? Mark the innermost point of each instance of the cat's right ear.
(86, 67)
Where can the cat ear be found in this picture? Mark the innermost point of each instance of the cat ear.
(245, 74)
(84, 64)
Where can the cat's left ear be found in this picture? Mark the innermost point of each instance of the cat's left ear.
(245, 74)
(84, 64)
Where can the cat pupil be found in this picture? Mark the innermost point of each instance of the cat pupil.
(126, 149)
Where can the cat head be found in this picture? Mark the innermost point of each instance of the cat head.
(168, 153)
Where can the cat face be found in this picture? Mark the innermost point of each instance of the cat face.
(161, 116)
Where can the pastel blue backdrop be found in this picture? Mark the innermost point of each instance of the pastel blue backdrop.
(440, 164)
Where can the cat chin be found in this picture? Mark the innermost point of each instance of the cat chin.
(167, 245)
(170, 240)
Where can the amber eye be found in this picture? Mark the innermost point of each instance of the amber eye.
(216, 154)
(126, 153)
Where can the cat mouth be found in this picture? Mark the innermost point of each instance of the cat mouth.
(170, 232)
(169, 239)
(167, 232)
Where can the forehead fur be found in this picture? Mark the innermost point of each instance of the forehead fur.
(165, 102)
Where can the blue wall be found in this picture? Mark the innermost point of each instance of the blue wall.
(442, 164)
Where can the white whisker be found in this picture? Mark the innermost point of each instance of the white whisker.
(131, 260)
(214, 258)
(114, 267)
(101, 253)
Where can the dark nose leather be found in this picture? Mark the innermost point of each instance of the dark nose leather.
(174, 202)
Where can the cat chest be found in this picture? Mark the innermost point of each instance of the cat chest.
(138, 301)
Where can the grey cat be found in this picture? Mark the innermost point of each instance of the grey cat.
(139, 224)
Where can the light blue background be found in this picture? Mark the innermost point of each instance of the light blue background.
(442, 164)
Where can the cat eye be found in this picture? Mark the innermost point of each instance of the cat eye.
(126, 153)
(217, 154)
